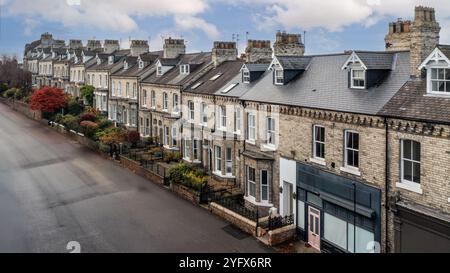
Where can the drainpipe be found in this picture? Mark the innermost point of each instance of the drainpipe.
(386, 185)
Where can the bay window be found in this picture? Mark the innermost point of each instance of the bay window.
(228, 161)
(264, 185)
(251, 182)
(218, 155)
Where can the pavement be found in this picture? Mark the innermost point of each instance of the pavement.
(54, 191)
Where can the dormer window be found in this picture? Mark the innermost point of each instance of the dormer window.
(125, 65)
(358, 78)
(159, 70)
(440, 80)
(111, 59)
(279, 77)
(245, 76)
(184, 69)
(141, 64)
(99, 61)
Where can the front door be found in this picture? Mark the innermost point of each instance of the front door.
(287, 199)
(314, 227)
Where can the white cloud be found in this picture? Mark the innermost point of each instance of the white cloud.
(30, 25)
(190, 23)
(117, 15)
(335, 15)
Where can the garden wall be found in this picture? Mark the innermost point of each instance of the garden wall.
(22, 108)
(235, 219)
(281, 235)
(185, 193)
(137, 169)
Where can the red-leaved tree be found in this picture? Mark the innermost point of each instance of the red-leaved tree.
(48, 99)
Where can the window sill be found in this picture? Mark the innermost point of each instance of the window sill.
(449, 199)
(351, 170)
(252, 200)
(319, 161)
(409, 187)
(219, 174)
(268, 147)
(438, 94)
(252, 142)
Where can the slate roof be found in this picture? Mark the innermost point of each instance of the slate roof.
(376, 60)
(294, 62)
(257, 67)
(324, 85)
(445, 49)
(173, 76)
(228, 69)
(412, 102)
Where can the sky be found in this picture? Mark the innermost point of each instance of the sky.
(330, 25)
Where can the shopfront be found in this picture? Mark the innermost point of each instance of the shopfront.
(326, 217)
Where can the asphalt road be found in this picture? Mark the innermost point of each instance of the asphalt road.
(53, 191)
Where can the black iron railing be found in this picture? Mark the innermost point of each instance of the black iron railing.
(236, 206)
(276, 222)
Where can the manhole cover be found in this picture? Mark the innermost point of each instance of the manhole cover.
(235, 232)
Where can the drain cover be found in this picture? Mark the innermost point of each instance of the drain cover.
(235, 232)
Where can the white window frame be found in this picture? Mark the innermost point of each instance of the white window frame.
(186, 149)
(404, 183)
(245, 76)
(222, 111)
(166, 135)
(261, 186)
(153, 99)
(204, 114)
(270, 132)
(196, 150)
(251, 127)
(251, 182)
(353, 78)
(228, 161)
(237, 120)
(315, 141)
(119, 89)
(184, 69)
(191, 109)
(134, 91)
(351, 149)
(175, 101)
(165, 101)
(144, 97)
(127, 90)
(279, 79)
(445, 81)
(218, 159)
(174, 136)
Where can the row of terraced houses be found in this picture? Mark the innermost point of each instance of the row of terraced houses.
(356, 142)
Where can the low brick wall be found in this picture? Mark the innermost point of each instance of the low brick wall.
(281, 235)
(185, 193)
(239, 221)
(137, 169)
(22, 108)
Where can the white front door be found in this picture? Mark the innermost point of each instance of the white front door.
(287, 199)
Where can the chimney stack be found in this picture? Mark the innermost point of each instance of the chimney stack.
(139, 47)
(223, 51)
(109, 46)
(258, 51)
(46, 39)
(287, 44)
(93, 45)
(399, 36)
(424, 37)
(75, 44)
(173, 48)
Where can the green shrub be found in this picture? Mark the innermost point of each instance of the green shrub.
(74, 107)
(11, 93)
(188, 176)
(58, 118)
(71, 122)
